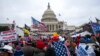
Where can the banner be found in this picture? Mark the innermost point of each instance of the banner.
(95, 27)
(8, 36)
(82, 52)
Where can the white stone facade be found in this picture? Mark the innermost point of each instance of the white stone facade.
(49, 18)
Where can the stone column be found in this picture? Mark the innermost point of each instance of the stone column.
(55, 27)
(50, 27)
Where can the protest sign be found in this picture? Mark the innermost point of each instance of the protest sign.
(8, 36)
(82, 52)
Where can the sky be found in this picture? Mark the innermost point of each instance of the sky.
(74, 12)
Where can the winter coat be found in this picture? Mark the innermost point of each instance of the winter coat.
(50, 52)
(29, 51)
(18, 53)
(39, 53)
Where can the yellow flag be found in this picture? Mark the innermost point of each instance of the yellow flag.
(26, 31)
(55, 34)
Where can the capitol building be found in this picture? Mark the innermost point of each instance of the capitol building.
(53, 24)
(50, 20)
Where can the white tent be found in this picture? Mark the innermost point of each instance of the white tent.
(85, 33)
(75, 35)
(82, 34)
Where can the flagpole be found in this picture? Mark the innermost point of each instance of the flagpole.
(96, 42)
(92, 27)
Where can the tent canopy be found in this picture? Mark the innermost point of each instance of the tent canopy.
(82, 34)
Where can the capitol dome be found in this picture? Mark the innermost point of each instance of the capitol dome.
(49, 15)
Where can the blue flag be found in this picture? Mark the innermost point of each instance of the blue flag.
(96, 27)
(35, 22)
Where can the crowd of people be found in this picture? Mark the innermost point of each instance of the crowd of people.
(51, 46)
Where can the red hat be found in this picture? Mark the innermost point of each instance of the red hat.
(40, 44)
(55, 38)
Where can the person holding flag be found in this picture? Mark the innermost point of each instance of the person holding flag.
(59, 46)
(96, 30)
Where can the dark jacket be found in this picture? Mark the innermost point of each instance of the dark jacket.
(50, 52)
(18, 53)
(97, 52)
(29, 51)
(39, 53)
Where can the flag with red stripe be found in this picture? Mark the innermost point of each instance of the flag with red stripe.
(42, 27)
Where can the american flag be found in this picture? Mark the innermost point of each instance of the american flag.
(42, 27)
(39, 25)
(35, 22)
(60, 49)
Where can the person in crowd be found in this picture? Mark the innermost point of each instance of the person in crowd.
(78, 40)
(96, 50)
(22, 42)
(34, 43)
(40, 45)
(59, 47)
(98, 38)
(9, 48)
(1, 44)
(71, 47)
(28, 50)
(18, 51)
(49, 50)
